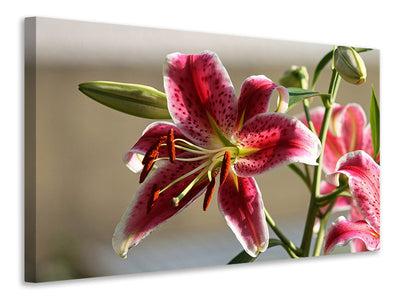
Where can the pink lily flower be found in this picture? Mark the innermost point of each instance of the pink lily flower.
(213, 133)
(348, 131)
(364, 225)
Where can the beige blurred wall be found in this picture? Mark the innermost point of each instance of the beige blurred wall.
(83, 186)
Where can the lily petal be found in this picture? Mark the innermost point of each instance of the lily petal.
(364, 183)
(133, 161)
(240, 202)
(255, 97)
(342, 231)
(150, 135)
(272, 140)
(347, 132)
(200, 92)
(137, 222)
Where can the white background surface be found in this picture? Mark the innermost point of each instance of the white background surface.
(341, 22)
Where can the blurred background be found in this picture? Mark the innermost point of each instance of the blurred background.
(82, 185)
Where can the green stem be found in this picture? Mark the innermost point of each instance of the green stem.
(321, 231)
(320, 237)
(308, 176)
(306, 106)
(338, 191)
(289, 244)
(313, 208)
(289, 251)
(334, 86)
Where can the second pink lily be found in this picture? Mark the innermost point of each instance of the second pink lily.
(363, 228)
(348, 131)
(214, 133)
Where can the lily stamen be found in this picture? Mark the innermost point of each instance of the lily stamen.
(171, 145)
(146, 170)
(214, 161)
(153, 151)
(226, 163)
(176, 200)
(202, 166)
(209, 194)
(155, 192)
(202, 157)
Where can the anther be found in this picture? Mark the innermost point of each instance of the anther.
(226, 163)
(155, 192)
(150, 157)
(209, 194)
(171, 145)
(153, 151)
(146, 170)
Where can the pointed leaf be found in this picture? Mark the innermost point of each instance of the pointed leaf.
(243, 257)
(324, 61)
(133, 99)
(297, 94)
(375, 123)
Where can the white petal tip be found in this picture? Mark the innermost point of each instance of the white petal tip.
(263, 246)
(133, 161)
(121, 244)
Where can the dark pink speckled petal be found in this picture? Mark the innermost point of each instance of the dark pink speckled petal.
(199, 92)
(239, 200)
(137, 223)
(277, 139)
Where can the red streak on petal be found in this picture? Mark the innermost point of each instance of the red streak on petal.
(171, 145)
(226, 163)
(209, 194)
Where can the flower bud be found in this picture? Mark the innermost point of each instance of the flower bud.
(349, 64)
(134, 99)
(295, 77)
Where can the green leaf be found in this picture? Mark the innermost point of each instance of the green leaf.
(243, 257)
(374, 115)
(325, 60)
(133, 99)
(296, 95)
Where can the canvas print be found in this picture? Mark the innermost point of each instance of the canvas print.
(227, 149)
